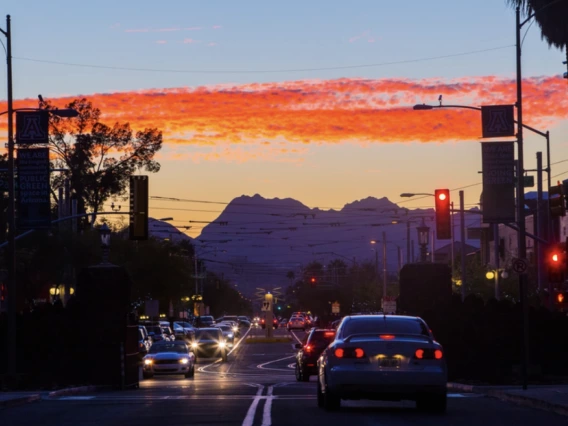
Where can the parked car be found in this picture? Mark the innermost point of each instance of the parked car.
(169, 358)
(383, 357)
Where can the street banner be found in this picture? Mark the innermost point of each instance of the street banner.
(34, 190)
(498, 197)
(32, 127)
(498, 121)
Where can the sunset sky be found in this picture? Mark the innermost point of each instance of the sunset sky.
(309, 100)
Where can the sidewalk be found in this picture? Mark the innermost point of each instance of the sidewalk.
(553, 398)
(11, 399)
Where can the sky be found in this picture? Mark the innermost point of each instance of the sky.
(308, 100)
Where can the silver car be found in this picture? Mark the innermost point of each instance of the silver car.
(383, 357)
(167, 357)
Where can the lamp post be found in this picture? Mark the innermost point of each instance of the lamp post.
(423, 237)
(104, 232)
(494, 274)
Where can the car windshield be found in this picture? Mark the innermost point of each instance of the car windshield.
(180, 348)
(225, 328)
(185, 324)
(321, 338)
(206, 319)
(381, 324)
(155, 330)
(208, 334)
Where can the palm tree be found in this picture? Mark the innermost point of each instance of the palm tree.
(552, 20)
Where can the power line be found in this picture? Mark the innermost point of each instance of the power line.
(204, 71)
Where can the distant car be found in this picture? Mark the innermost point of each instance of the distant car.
(169, 333)
(156, 333)
(283, 322)
(184, 331)
(209, 342)
(143, 342)
(169, 358)
(274, 322)
(383, 357)
(228, 334)
(297, 323)
(204, 321)
(310, 351)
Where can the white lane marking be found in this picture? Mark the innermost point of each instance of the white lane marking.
(266, 415)
(295, 337)
(239, 342)
(292, 366)
(262, 366)
(235, 346)
(249, 419)
(76, 398)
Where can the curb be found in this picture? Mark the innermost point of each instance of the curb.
(460, 387)
(73, 391)
(20, 401)
(530, 402)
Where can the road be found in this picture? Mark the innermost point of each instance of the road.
(255, 387)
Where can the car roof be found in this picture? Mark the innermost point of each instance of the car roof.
(369, 316)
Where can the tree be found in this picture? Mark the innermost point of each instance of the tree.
(551, 19)
(99, 158)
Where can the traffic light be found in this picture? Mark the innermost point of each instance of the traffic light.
(443, 221)
(557, 200)
(313, 281)
(556, 262)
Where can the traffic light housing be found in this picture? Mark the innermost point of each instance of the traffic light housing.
(556, 264)
(443, 214)
(557, 200)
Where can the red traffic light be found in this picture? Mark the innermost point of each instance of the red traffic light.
(443, 219)
(555, 257)
(560, 298)
(313, 280)
(442, 196)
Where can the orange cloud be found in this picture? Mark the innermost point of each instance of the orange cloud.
(325, 111)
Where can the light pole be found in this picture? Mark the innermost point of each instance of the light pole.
(423, 236)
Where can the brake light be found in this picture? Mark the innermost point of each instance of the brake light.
(438, 354)
(387, 336)
(419, 353)
(428, 354)
(359, 353)
(308, 348)
(339, 353)
(329, 334)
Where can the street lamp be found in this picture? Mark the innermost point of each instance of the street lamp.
(104, 232)
(494, 274)
(423, 237)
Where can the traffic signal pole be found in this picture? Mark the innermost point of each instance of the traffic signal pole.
(462, 244)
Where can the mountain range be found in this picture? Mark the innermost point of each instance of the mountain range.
(255, 241)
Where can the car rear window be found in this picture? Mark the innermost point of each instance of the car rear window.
(321, 338)
(384, 325)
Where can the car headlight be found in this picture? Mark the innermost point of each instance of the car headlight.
(235, 329)
(221, 345)
(148, 361)
(184, 360)
(230, 335)
(194, 345)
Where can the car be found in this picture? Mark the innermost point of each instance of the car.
(244, 321)
(184, 331)
(168, 333)
(143, 342)
(204, 321)
(228, 334)
(310, 351)
(297, 323)
(156, 333)
(209, 342)
(283, 322)
(383, 357)
(165, 358)
(274, 322)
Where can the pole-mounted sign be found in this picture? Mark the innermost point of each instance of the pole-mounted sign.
(498, 121)
(32, 127)
(34, 190)
(498, 197)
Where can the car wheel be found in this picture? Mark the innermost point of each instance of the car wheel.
(320, 395)
(432, 403)
(331, 402)
(147, 375)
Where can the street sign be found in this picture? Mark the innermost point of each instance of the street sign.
(389, 305)
(528, 181)
(335, 308)
(498, 121)
(265, 306)
(34, 204)
(498, 196)
(520, 266)
(32, 127)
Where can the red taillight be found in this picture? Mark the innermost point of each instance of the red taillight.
(387, 336)
(339, 353)
(308, 348)
(438, 354)
(329, 334)
(359, 353)
(419, 353)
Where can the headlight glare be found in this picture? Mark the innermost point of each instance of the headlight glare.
(184, 360)
(148, 362)
(235, 329)
(194, 345)
(221, 345)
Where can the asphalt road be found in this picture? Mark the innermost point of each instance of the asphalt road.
(255, 387)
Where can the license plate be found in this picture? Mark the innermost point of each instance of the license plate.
(389, 362)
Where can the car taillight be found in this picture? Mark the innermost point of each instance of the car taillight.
(349, 353)
(359, 353)
(387, 336)
(339, 353)
(329, 334)
(428, 354)
(308, 348)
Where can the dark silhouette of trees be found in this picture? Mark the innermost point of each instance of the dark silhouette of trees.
(100, 157)
(552, 20)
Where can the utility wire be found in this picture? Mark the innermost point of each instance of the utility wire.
(204, 71)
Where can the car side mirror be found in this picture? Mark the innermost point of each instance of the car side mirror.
(298, 346)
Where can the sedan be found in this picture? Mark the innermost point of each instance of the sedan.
(310, 351)
(296, 323)
(209, 342)
(228, 334)
(169, 358)
(383, 357)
